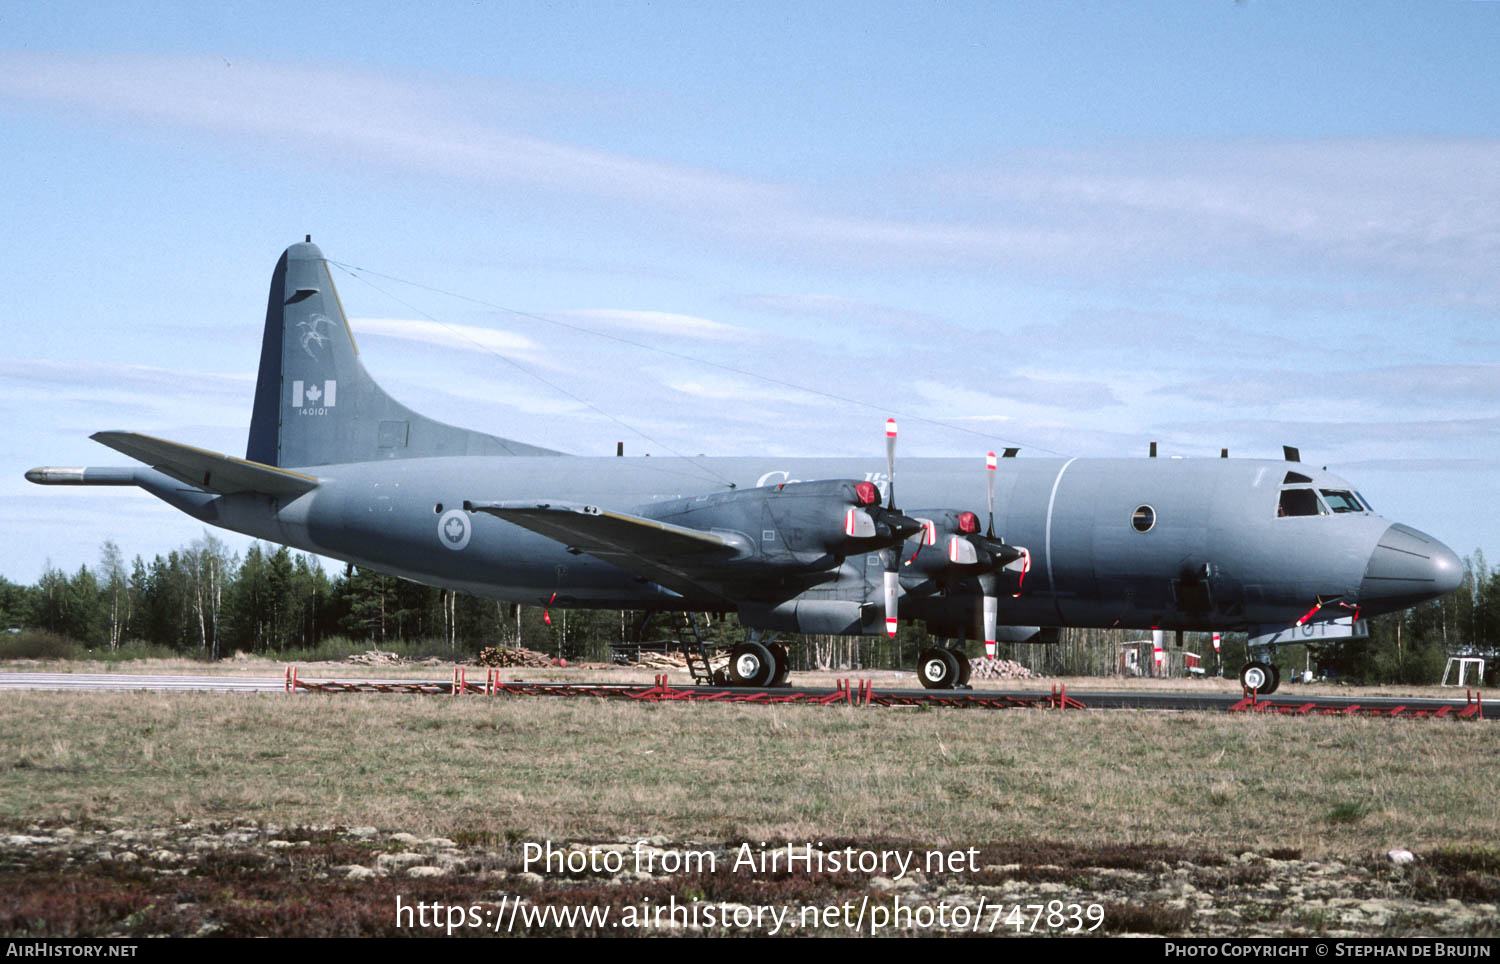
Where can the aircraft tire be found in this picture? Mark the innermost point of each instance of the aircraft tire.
(751, 664)
(937, 669)
(783, 664)
(1261, 677)
(965, 667)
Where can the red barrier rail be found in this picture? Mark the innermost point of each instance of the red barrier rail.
(1473, 708)
(846, 692)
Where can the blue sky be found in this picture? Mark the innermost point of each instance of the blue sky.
(1073, 227)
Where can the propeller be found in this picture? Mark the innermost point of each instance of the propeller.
(902, 527)
(867, 519)
(983, 555)
(966, 548)
(989, 583)
(890, 463)
(892, 577)
(989, 485)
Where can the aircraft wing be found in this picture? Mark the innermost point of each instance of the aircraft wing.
(668, 554)
(207, 470)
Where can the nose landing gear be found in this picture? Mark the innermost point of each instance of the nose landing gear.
(1260, 676)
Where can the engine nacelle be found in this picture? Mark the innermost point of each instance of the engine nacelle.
(796, 524)
(952, 547)
(839, 617)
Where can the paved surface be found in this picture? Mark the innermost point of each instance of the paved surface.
(1093, 699)
(128, 681)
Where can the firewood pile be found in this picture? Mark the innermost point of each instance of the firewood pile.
(377, 657)
(529, 658)
(986, 668)
(652, 660)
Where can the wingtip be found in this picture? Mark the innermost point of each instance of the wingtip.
(80, 475)
(54, 475)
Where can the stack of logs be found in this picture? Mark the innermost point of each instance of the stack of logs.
(490, 656)
(675, 661)
(376, 657)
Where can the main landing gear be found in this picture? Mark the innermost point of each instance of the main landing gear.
(759, 661)
(942, 668)
(1260, 676)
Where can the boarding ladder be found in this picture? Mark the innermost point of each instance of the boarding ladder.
(694, 650)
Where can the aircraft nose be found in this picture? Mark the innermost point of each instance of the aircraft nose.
(1408, 567)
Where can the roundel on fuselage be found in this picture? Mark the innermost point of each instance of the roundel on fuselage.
(454, 528)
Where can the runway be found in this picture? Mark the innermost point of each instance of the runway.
(128, 681)
(1284, 702)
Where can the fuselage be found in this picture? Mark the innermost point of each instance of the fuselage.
(1137, 543)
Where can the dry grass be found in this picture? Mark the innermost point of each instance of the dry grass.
(529, 768)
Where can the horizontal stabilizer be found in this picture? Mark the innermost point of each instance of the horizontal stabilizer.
(665, 553)
(206, 470)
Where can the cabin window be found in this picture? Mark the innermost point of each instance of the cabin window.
(1300, 502)
(1143, 518)
(1342, 500)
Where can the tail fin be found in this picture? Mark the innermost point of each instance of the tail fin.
(314, 402)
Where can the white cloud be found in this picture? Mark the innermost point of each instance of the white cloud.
(855, 312)
(727, 388)
(1418, 203)
(358, 118)
(1421, 205)
(443, 335)
(78, 375)
(1423, 388)
(1004, 394)
(658, 322)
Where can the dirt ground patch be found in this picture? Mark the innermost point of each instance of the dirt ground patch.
(242, 879)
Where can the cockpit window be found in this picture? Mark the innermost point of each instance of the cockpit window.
(1341, 500)
(1300, 502)
(1293, 478)
(1365, 502)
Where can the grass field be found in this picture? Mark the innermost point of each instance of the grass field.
(530, 768)
(135, 813)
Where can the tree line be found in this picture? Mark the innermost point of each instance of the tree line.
(202, 601)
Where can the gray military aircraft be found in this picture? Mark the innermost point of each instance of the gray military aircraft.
(335, 466)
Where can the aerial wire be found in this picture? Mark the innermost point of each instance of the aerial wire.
(680, 355)
(526, 371)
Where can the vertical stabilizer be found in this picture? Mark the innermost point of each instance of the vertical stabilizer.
(314, 402)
